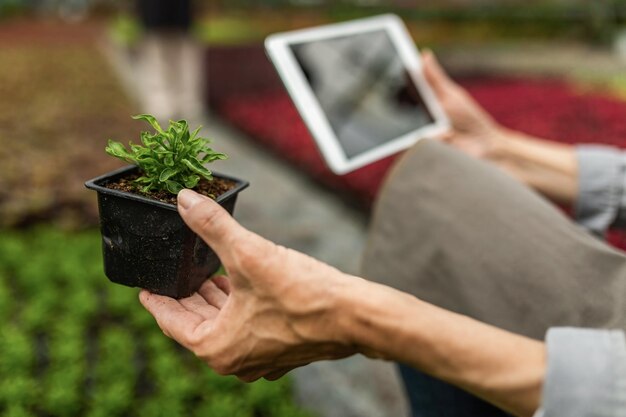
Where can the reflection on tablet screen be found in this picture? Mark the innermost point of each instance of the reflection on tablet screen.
(363, 88)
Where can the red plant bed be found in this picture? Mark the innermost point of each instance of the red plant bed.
(271, 119)
(543, 107)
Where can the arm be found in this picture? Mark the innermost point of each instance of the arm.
(280, 309)
(500, 367)
(593, 178)
(550, 168)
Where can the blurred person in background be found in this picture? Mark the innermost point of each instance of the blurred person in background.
(496, 268)
(171, 61)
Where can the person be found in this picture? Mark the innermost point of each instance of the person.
(492, 265)
(518, 270)
(170, 60)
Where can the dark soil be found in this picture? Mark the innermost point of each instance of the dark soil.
(212, 189)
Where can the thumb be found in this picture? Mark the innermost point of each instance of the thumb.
(211, 222)
(436, 75)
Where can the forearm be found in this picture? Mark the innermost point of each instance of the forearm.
(550, 168)
(504, 369)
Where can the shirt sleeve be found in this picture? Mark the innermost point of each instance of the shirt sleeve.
(601, 199)
(586, 375)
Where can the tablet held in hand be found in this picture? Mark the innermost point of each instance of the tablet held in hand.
(359, 88)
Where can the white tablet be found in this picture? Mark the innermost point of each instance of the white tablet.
(359, 88)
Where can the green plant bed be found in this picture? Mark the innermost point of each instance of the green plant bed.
(228, 31)
(582, 21)
(73, 344)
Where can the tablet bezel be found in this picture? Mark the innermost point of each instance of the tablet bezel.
(281, 54)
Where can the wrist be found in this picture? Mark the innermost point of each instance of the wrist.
(550, 168)
(506, 145)
(371, 317)
(521, 149)
(346, 309)
(329, 321)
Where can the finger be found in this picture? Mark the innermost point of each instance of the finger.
(435, 74)
(468, 146)
(445, 137)
(199, 305)
(276, 375)
(223, 283)
(172, 317)
(252, 376)
(213, 295)
(211, 222)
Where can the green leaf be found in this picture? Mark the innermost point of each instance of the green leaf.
(184, 136)
(192, 181)
(143, 180)
(196, 166)
(148, 139)
(166, 174)
(118, 150)
(147, 160)
(194, 134)
(173, 187)
(138, 150)
(211, 157)
(151, 120)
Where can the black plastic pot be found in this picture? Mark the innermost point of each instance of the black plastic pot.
(146, 244)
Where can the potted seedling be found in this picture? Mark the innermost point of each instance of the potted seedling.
(145, 242)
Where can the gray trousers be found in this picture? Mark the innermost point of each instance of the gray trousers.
(461, 234)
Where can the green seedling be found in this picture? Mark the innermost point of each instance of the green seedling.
(170, 159)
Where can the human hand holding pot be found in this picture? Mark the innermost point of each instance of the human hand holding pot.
(274, 312)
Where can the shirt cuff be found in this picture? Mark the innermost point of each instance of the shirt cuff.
(586, 375)
(601, 179)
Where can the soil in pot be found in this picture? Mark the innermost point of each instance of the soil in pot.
(212, 189)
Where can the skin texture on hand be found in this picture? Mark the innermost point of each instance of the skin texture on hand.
(549, 167)
(273, 313)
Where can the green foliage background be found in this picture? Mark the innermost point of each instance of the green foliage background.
(73, 344)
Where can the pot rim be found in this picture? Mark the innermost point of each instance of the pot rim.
(96, 184)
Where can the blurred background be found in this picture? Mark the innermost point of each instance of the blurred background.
(72, 72)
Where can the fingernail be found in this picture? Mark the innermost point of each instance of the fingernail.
(187, 199)
(143, 295)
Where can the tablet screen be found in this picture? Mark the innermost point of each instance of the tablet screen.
(363, 88)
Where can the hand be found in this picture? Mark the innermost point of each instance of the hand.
(473, 130)
(550, 168)
(276, 310)
(280, 309)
